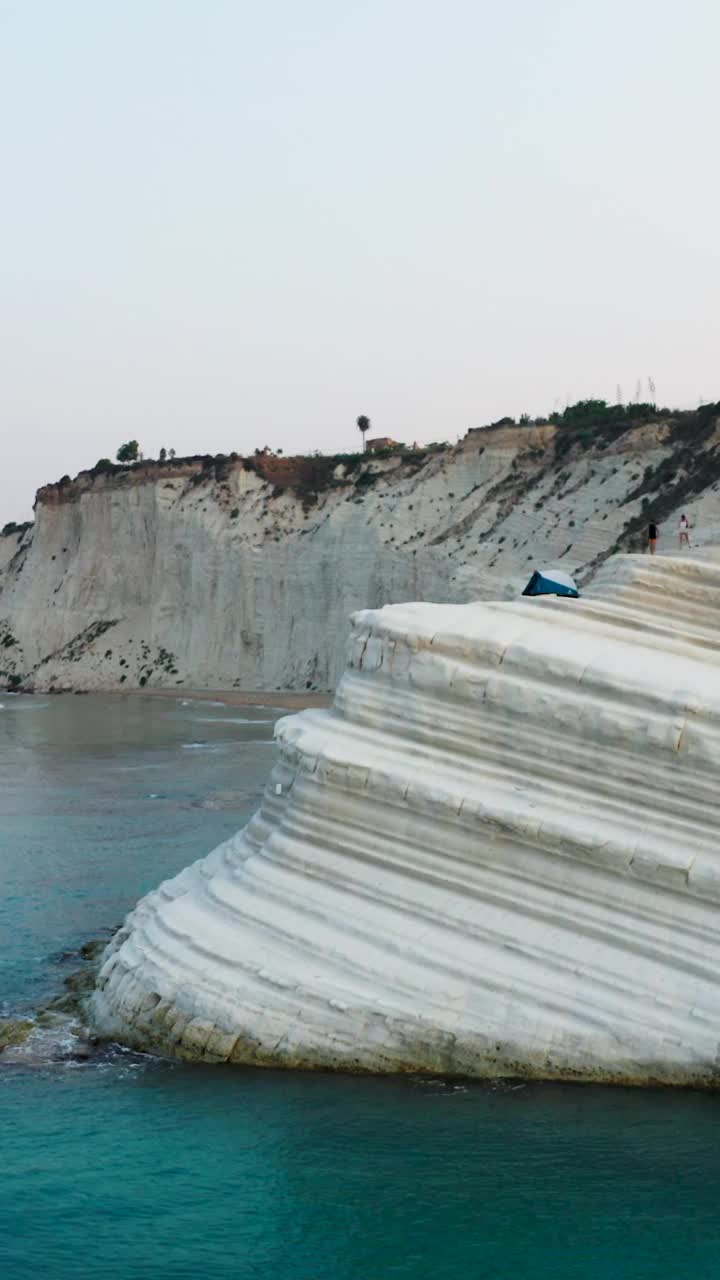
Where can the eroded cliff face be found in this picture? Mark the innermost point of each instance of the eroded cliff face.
(245, 573)
(496, 855)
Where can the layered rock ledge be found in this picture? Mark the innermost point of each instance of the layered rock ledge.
(498, 854)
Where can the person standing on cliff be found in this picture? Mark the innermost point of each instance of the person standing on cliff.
(652, 537)
(684, 532)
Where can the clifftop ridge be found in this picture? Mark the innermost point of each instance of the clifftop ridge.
(242, 572)
(588, 425)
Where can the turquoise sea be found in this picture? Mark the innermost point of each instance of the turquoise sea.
(124, 1166)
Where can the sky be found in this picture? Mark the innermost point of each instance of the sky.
(228, 224)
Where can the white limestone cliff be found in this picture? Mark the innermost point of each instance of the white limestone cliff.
(498, 854)
(200, 574)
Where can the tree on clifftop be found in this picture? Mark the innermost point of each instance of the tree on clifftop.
(364, 426)
(128, 452)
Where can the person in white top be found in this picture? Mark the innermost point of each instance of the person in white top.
(684, 532)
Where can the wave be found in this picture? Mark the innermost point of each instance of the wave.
(236, 720)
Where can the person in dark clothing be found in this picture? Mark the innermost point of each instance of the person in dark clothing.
(652, 538)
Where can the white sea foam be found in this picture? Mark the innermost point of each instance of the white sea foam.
(236, 720)
(27, 705)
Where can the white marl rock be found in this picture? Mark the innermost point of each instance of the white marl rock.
(186, 575)
(497, 854)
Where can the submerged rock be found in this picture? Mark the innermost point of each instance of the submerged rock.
(51, 1037)
(81, 982)
(14, 1031)
(497, 854)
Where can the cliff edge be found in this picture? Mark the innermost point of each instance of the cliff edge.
(242, 573)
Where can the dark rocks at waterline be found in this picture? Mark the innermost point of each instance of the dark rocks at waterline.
(14, 1031)
(56, 1032)
(80, 982)
(51, 1038)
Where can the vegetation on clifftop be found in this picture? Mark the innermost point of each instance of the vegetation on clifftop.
(11, 527)
(587, 424)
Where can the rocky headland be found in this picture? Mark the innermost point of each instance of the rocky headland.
(496, 855)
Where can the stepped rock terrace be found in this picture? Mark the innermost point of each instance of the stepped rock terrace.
(497, 854)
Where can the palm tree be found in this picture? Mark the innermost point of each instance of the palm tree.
(364, 426)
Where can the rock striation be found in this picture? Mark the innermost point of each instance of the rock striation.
(498, 854)
(243, 572)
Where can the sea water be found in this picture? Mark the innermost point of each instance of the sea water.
(127, 1166)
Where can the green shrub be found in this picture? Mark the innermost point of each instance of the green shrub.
(11, 527)
(128, 452)
(352, 459)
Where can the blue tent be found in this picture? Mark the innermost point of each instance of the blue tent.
(551, 582)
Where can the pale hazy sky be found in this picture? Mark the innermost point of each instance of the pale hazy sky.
(227, 224)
